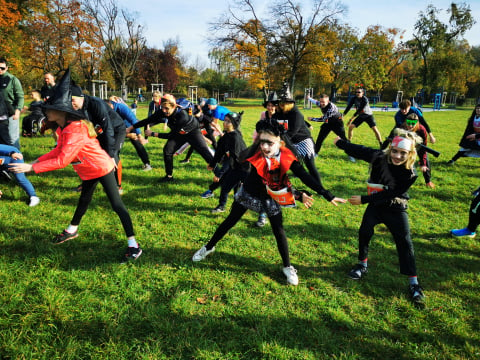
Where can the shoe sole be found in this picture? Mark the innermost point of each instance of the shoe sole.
(61, 242)
(459, 236)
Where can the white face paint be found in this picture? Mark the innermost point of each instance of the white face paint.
(269, 144)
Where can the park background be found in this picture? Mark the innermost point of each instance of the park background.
(75, 301)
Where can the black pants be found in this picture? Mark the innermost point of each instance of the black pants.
(110, 187)
(175, 142)
(236, 214)
(396, 221)
(427, 175)
(119, 134)
(141, 151)
(474, 214)
(335, 125)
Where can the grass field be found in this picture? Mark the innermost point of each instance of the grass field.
(76, 301)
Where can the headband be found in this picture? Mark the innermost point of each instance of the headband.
(402, 143)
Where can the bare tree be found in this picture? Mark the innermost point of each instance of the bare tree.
(121, 36)
(281, 37)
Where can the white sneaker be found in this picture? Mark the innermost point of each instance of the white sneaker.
(34, 201)
(147, 167)
(291, 274)
(352, 159)
(202, 253)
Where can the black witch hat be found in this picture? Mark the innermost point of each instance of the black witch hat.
(61, 100)
(272, 98)
(286, 95)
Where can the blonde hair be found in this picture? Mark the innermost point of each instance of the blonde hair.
(156, 93)
(412, 155)
(288, 106)
(91, 130)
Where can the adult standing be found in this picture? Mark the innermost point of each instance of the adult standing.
(47, 89)
(363, 113)
(13, 95)
(331, 119)
(184, 128)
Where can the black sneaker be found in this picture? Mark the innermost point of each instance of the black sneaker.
(6, 174)
(64, 236)
(416, 293)
(357, 272)
(132, 253)
(166, 179)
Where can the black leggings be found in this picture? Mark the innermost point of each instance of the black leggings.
(110, 187)
(175, 142)
(474, 214)
(397, 222)
(236, 214)
(141, 151)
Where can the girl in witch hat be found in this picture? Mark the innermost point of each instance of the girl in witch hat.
(77, 145)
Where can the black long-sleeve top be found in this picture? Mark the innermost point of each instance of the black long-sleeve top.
(231, 144)
(396, 178)
(297, 128)
(96, 111)
(362, 106)
(179, 122)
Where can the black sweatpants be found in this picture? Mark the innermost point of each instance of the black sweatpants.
(175, 142)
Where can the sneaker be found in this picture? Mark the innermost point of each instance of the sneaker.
(147, 167)
(34, 201)
(202, 253)
(262, 220)
(64, 236)
(430, 185)
(132, 253)
(352, 159)
(357, 272)
(463, 232)
(207, 194)
(416, 293)
(120, 190)
(291, 274)
(218, 209)
(166, 178)
(451, 163)
(185, 161)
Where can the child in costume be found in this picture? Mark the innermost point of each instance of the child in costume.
(77, 145)
(391, 175)
(267, 188)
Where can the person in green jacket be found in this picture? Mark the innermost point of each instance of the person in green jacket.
(12, 92)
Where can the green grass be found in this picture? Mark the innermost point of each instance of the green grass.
(75, 301)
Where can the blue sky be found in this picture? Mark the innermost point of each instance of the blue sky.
(188, 20)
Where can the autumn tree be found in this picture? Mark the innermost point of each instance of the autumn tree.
(122, 38)
(290, 31)
(9, 18)
(62, 35)
(433, 39)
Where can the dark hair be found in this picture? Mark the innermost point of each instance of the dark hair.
(272, 127)
(3, 60)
